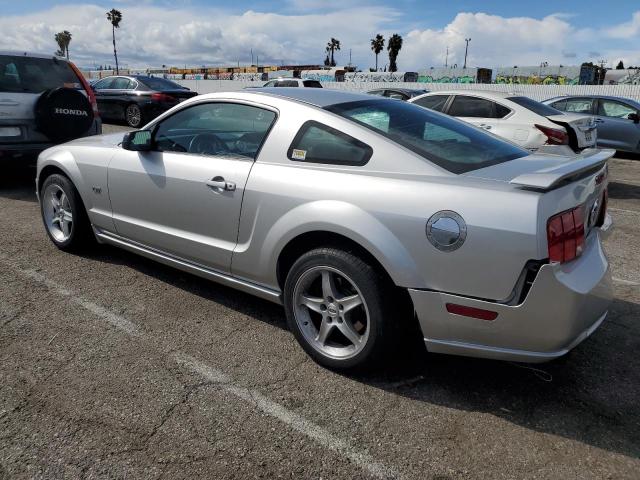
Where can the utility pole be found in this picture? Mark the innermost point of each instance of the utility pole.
(602, 71)
(252, 57)
(446, 59)
(466, 51)
(349, 57)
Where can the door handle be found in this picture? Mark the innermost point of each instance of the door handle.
(219, 182)
(599, 120)
(485, 126)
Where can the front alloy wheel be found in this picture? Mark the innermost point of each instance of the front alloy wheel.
(133, 115)
(57, 212)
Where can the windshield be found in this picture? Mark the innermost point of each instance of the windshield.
(159, 83)
(449, 143)
(35, 75)
(535, 107)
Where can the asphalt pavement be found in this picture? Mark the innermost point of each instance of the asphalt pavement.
(113, 366)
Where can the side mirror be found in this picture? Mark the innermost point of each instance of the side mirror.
(138, 141)
(635, 117)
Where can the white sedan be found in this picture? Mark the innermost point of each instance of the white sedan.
(517, 118)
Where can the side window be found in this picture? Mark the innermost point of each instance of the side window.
(229, 129)
(121, 83)
(501, 110)
(312, 84)
(464, 106)
(318, 143)
(610, 108)
(578, 105)
(397, 95)
(287, 83)
(272, 83)
(433, 102)
(560, 105)
(379, 93)
(104, 83)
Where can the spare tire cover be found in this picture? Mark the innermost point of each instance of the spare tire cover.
(63, 114)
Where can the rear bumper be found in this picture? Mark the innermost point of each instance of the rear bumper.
(565, 305)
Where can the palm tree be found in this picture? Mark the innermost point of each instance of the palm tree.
(63, 39)
(332, 46)
(115, 17)
(394, 46)
(377, 45)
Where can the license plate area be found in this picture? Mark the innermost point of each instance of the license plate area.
(10, 132)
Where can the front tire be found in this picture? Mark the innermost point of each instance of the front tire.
(63, 214)
(133, 115)
(337, 309)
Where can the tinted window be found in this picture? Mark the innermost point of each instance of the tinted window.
(122, 83)
(317, 143)
(501, 110)
(159, 83)
(611, 108)
(312, 84)
(270, 84)
(464, 106)
(287, 83)
(535, 107)
(35, 75)
(442, 140)
(434, 102)
(104, 83)
(379, 93)
(215, 129)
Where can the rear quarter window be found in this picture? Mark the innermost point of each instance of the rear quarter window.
(35, 75)
(312, 84)
(318, 143)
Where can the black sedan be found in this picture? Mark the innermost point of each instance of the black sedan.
(137, 99)
(398, 93)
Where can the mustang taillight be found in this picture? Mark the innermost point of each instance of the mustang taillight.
(565, 235)
(162, 97)
(554, 136)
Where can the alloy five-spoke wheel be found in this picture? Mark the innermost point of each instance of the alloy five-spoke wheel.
(331, 312)
(338, 307)
(63, 213)
(56, 209)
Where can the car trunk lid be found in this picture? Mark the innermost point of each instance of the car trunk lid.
(581, 129)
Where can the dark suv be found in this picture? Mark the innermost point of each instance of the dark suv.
(44, 101)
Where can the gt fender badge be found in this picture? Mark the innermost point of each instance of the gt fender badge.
(97, 190)
(446, 230)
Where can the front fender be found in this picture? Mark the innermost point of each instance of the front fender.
(344, 219)
(63, 159)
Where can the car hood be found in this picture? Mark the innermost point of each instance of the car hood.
(107, 140)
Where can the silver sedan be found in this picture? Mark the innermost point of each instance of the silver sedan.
(361, 215)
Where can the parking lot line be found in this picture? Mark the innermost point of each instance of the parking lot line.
(291, 419)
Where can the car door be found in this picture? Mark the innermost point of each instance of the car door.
(103, 98)
(475, 110)
(615, 129)
(183, 198)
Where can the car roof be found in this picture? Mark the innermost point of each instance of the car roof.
(479, 93)
(17, 53)
(313, 96)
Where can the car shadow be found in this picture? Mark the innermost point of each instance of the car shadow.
(623, 191)
(17, 182)
(590, 396)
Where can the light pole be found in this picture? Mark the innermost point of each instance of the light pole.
(466, 51)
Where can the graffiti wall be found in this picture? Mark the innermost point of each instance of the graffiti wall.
(553, 75)
(448, 75)
(380, 77)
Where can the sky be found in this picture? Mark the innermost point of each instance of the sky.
(198, 32)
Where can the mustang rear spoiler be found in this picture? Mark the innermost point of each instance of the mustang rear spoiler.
(550, 178)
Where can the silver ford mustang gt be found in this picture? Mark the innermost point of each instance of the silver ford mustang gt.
(358, 214)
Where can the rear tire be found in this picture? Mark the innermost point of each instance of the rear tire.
(64, 215)
(339, 311)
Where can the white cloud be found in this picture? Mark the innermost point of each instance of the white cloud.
(179, 35)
